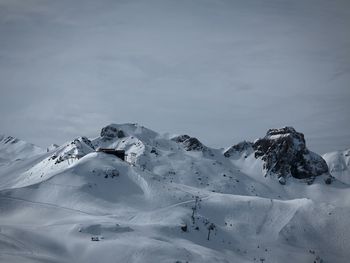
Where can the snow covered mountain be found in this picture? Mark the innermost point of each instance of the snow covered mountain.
(339, 164)
(173, 199)
(284, 154)
(12, 149)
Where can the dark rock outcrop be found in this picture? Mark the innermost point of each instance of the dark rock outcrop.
(242, 147)
(181, 138)
(84, 140)
(109, 132)
(284, 153)
(189, 143)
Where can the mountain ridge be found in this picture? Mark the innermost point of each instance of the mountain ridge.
(173, 199)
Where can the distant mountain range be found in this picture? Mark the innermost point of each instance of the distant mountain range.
(173, 199)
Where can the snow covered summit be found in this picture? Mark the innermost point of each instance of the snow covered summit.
(189, 143)
(12, 149)
(172, 199)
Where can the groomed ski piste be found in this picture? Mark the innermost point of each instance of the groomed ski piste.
(172, 199)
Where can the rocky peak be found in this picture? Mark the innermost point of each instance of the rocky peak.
(110, 132)
(181, 138)
(285, 154)
(239, 148)
(12, 148)
(189, 143)
(73, 150)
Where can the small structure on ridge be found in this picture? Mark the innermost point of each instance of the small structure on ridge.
(118, 153)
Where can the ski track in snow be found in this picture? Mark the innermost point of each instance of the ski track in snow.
(50, 205)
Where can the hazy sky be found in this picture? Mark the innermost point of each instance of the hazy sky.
(220, 70)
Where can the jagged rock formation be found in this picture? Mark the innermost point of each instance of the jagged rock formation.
(109, 132)
(180, 185)
(284, 153)
(189, 143)
(76, 149)
(242, 147)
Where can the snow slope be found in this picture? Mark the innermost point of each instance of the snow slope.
(172, 200)
(339, 164)
(12, 149)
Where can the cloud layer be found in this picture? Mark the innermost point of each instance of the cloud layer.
(220, 70)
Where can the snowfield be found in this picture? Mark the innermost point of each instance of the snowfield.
(172, 200)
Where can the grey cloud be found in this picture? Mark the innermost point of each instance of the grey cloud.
(220, 70)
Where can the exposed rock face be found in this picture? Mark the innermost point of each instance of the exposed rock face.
(74, 150)
(189, 143)
(110, 132)
(239, 148)
(284, 153)
(181, 138)
(84, 140)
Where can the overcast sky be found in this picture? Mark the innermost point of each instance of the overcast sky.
(220, 70)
